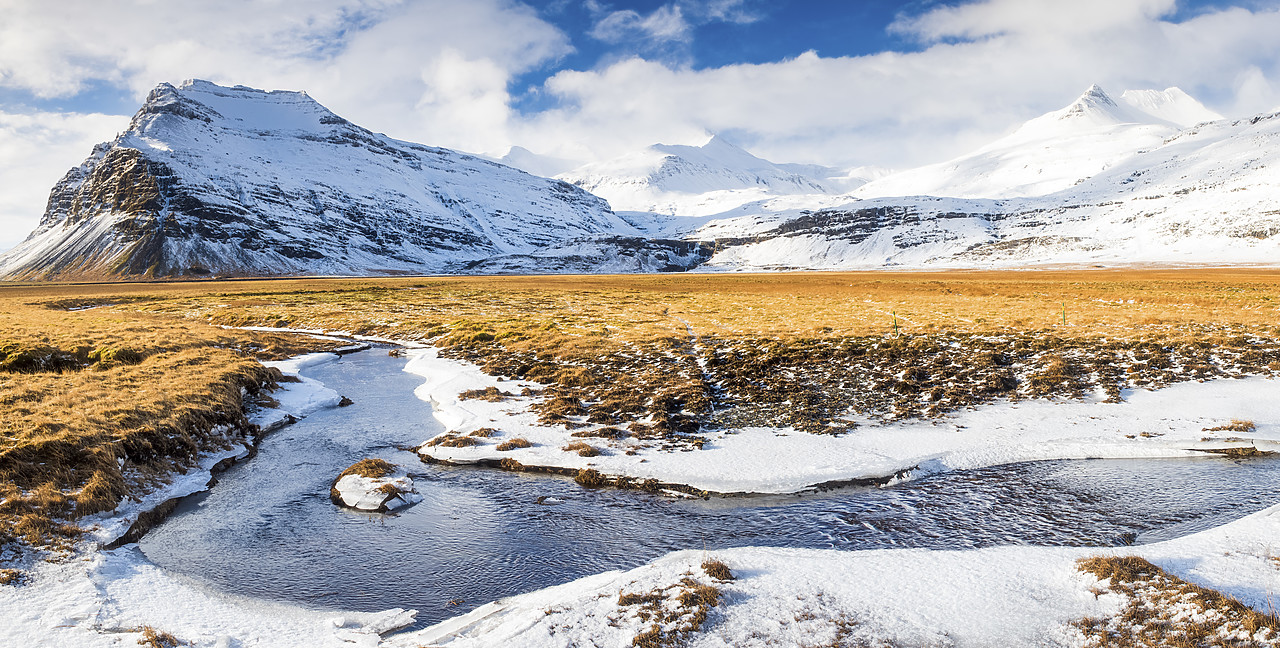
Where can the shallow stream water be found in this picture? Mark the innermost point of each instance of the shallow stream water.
(268, 529)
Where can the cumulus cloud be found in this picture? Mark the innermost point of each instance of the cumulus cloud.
(1037, 18)
(34, 153)
(371, 60)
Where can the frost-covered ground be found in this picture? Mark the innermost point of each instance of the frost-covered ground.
(1000, 596)
(1169, 422)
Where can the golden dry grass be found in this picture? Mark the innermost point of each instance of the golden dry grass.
(152, 638)
(369, 468)
(99, 404)
(146, 371)
(672, 613)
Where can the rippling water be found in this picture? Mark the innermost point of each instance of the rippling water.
(268, 529)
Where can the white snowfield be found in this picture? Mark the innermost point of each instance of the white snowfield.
(1000, 596)
(1169, 422)
(1055, 151)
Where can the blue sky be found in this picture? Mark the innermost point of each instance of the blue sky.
(874, 82)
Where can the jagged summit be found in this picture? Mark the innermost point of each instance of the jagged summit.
(211, 179)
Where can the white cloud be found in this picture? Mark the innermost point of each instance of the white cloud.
(371, 60)
(1038, 18)
(34, 153)
(666, 23)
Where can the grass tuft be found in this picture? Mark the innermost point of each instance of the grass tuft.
(514, 444)
(590, 478)
(583, 449)
(717, 570)
(1163, 610)
(370, 468)
(152, 638)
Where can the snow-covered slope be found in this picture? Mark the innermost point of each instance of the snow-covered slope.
(1055, 151)
(1207, 194)
(702, 180)
(216, 180)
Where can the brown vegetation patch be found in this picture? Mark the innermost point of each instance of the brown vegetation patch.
(451, 440)
(10, 576)
(483, 433)
(601, 433)
(1163, 610)
(1236, 425)
(583, 449)
(152, 638)
(514, 444)
(590, 478)
(370, 468)
(491, 394)
(1246, 452)
(717, 570)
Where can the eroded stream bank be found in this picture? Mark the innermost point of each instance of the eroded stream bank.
(269, 530)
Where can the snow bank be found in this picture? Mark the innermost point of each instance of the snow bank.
(104, 598)
(1002, 596)
(297, 399)
(1169, 422)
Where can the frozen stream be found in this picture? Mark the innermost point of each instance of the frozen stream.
(268, 529)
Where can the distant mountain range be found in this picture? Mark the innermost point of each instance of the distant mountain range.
(210, 180)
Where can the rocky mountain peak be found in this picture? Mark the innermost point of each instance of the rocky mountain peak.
(211, 179)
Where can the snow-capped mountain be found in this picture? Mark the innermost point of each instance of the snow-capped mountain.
(236, 181)
(680, 180)
(1055, 151)
(1205, 194)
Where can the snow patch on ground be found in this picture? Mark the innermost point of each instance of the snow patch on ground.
(1170, 422)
